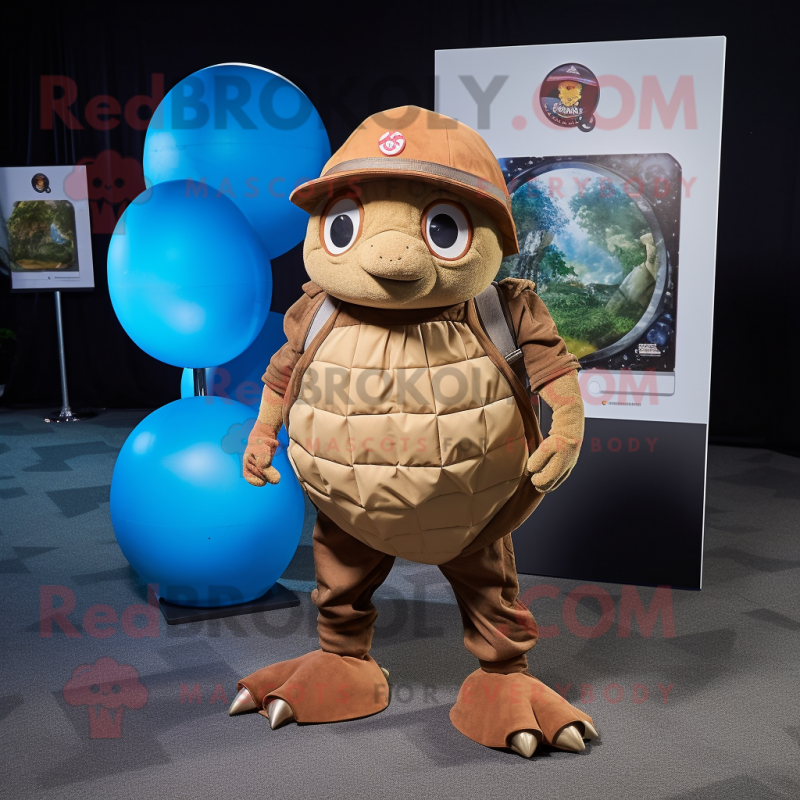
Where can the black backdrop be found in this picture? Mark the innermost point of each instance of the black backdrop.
(353, 59)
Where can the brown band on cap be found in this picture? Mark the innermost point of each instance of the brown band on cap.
(395, 164)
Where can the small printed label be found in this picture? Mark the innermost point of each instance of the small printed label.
(648, 349)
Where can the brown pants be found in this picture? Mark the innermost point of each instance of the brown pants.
(498, 630)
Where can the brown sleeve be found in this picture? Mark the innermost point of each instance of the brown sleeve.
(546, 356)
(296, 323)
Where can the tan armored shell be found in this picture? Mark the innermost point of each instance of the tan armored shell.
(407, 436)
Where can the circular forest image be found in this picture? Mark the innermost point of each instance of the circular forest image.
(41, 235)
(588, 248)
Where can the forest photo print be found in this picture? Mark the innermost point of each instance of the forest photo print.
(41, 236)
(592, 240)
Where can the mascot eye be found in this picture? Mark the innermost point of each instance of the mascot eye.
(447, 230)
(341, 225)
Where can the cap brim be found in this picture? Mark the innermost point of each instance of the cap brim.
(308, 195)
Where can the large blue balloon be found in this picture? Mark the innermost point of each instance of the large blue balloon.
(189, 279)
(250, 135)
(184, 516)
(240, 379)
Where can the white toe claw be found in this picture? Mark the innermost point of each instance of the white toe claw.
(570, 739)
(524, 743)
(590, 732)
(242, 703)
(280, 712)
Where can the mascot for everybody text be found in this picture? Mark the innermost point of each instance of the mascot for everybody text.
(410, 427)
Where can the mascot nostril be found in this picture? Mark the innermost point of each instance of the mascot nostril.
(404, 388)
(395, 256)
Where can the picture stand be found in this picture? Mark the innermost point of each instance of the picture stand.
(199, 382)
(66, 414)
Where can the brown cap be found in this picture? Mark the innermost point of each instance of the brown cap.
(413, 142)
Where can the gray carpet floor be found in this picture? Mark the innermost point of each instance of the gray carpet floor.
(711, 713)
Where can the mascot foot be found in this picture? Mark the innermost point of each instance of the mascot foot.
(519, 712)
(317, 687)
(243, 703)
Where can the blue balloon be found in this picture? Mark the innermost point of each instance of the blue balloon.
(187, 520)
(240, 379)
(248, 134)
(189, 279)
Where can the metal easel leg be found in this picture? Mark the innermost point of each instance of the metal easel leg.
(199, 382)
(66, 414)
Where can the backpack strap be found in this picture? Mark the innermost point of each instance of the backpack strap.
(322, 315)
(496, 320)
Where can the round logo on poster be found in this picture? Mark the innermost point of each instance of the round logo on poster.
(569, 96)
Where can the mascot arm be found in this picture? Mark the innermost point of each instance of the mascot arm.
(263, 441)
(555, 457)
(553, 374)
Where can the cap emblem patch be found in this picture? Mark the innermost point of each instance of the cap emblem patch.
(392, 144)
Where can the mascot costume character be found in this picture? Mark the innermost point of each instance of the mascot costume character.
(403, 390)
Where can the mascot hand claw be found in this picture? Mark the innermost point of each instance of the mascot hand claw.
(257, 461)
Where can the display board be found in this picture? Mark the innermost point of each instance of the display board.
(45, 233)
(610, 151)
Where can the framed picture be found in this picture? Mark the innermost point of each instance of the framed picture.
(45, 233)
(599, 235)
(610, 153)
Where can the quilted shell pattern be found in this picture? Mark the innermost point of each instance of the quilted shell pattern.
(408, 437)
